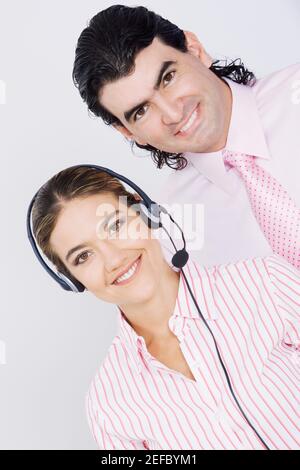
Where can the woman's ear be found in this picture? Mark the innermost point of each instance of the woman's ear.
(137, 197)
(196, 48)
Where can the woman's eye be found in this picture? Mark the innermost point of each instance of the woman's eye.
(140, 112)
(168, 77)
(116, 226)
(82, 257)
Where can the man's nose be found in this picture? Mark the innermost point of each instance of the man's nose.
(171, 111)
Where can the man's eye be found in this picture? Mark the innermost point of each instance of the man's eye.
(140, 112)
(168, 77)
(82, 257)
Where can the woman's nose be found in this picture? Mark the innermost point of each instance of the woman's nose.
(113, 257)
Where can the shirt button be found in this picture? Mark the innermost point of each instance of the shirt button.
(220, 415)
(197, 364)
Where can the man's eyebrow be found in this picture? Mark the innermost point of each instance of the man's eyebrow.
(164, 66)
(83, 245)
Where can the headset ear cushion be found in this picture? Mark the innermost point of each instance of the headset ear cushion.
(69, 284)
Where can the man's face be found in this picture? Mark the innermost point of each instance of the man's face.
(172, 101)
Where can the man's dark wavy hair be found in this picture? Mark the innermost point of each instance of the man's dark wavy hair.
(106, 51)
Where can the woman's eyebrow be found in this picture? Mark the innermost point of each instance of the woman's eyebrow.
(164, 66)
(76, 248)
(83, 245)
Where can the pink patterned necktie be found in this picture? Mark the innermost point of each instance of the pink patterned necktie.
(275, 211)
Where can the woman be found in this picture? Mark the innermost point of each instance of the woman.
(161, 384)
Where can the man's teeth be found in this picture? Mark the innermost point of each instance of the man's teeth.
(190, 122)
(128, 274)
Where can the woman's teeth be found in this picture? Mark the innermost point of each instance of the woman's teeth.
(190, 122)
(128, 274)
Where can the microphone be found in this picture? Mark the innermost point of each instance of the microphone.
(181, 257)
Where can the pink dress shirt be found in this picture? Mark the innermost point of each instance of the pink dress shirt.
(265, 123)
(136, 402)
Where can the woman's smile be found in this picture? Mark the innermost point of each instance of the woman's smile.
(129, 274)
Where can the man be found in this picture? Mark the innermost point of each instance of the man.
(232, 140)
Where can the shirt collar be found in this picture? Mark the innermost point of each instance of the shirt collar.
(201, 282)
(245, 135)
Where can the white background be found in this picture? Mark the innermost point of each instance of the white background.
(54, 340)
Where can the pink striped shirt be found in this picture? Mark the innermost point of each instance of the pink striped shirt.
(136, 402)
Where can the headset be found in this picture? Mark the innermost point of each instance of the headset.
(150, 212)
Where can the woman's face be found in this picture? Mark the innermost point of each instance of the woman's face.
(109, 249)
